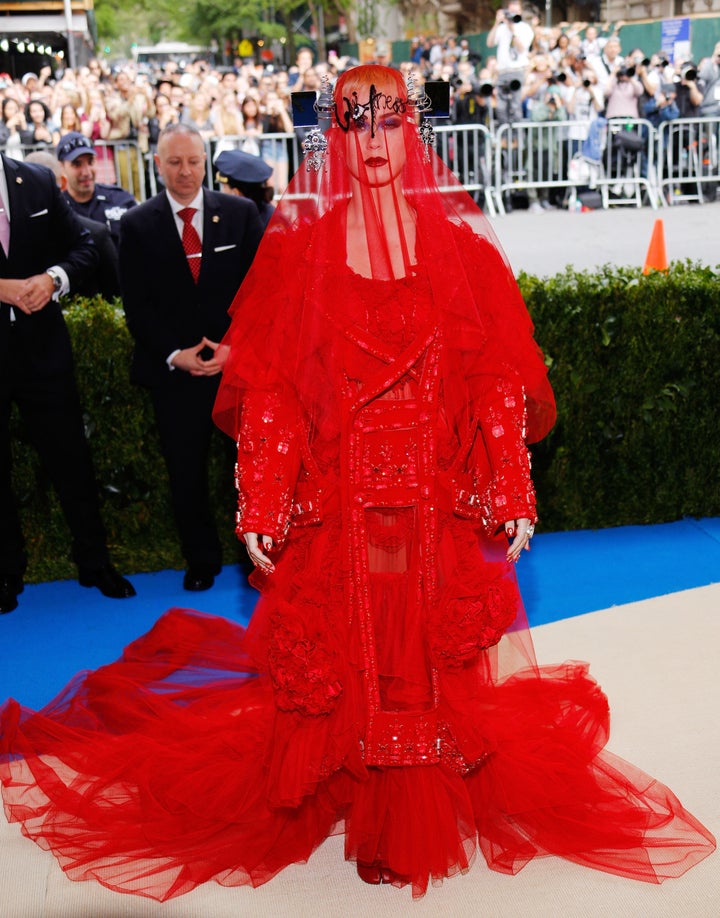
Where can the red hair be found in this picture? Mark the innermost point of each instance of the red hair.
(360, 79)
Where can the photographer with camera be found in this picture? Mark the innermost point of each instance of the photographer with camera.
(512, 37)
(537, 83)
(469, 104)
(622, 92)
(608, 62)
(548, 105)
(709, 73)
(689, 90)
(583, 106)
(662, 106)
(683, 146)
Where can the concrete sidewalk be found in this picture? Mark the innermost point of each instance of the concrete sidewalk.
(545, 244)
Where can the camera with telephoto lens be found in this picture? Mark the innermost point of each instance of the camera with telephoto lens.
(513, 17)
(587, 83)
(626, 72)
(487, 89)
(510, 86)
(688, 72)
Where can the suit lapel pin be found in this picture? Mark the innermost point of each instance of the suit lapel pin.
(19, 180)
(215, 218)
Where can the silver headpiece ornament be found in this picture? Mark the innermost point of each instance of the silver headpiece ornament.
(315, 144)
(421, 103)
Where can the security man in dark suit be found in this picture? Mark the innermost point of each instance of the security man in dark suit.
(183, 255)
(43, 252)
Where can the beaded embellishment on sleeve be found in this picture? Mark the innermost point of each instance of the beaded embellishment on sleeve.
(503, 424)
(268, 463)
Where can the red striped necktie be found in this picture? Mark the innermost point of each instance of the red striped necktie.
(191, 241)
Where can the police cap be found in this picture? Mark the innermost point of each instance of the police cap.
(237, 166)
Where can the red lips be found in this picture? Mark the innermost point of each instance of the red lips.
(375, 161)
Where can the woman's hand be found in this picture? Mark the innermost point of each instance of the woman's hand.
(520, 531)
(256, 544)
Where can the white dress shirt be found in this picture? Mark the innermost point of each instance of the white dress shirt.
(65, 287)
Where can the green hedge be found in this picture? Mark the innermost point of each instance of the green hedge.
(131, 474)
(635, 363)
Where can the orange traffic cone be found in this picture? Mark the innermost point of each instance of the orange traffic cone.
(656, 258)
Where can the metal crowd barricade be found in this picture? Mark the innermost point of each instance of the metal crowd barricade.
(687, 159)
(117, 162)
(467, 149)
(122, 162)
(532, 154)
(629, 173)
(678, 162)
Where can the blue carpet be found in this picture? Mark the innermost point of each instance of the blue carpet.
(60, 628)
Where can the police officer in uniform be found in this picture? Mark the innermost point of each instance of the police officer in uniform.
(103, 203)
(246, 175)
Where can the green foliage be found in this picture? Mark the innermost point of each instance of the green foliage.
(634, 361)
(122, 22)
(635, 365)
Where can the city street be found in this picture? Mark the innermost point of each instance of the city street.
(545, 244)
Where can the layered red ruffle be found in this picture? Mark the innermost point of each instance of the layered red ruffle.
(173, 766)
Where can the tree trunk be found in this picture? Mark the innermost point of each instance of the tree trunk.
(316, 13)
(346, 10)
(290, 32)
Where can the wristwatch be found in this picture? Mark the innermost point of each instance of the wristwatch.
(56, 279)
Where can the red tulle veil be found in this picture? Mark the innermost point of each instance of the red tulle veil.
(281, 321)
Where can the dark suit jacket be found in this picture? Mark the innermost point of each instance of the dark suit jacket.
(165, 309)
(43, 233)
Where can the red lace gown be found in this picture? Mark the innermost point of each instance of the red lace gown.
(386, 686)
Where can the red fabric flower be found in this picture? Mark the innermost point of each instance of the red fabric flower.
(469, 618)
(303, 670)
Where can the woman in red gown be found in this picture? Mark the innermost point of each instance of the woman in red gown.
(382, 383)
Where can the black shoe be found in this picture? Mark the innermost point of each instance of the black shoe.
(11, 585)
(197, 579)
(108, 581)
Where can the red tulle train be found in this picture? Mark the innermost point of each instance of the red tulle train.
(173, 766)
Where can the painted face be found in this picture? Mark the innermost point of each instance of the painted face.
(377, 156)
(375, 136)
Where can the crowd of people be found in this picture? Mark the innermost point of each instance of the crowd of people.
(572, 71)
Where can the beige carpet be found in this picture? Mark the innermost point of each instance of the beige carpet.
(659, 663)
